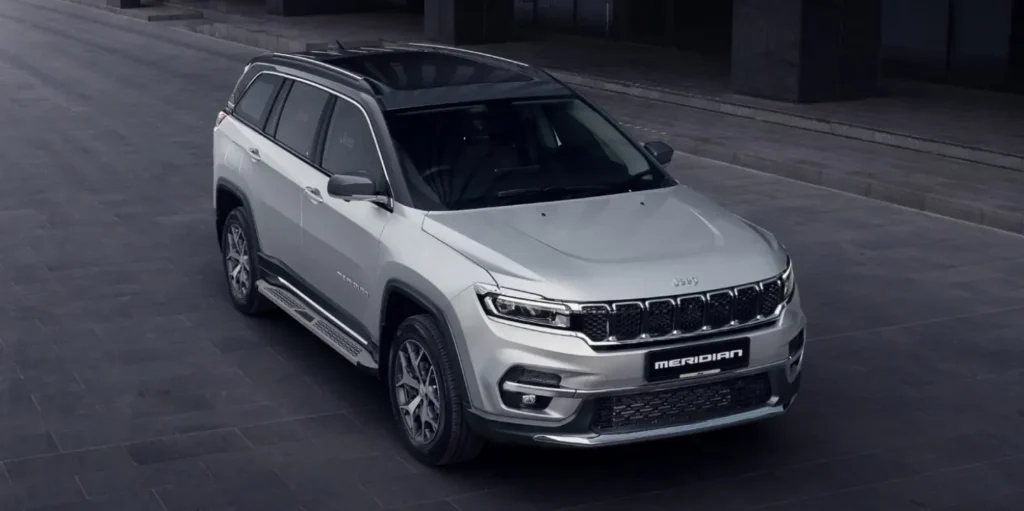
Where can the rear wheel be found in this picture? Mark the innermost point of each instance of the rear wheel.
(239, 248)
(425, 400)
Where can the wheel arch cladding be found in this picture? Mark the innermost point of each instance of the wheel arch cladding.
(400, 301)
(228, 198)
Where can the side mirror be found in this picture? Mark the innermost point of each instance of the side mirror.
(354, 187)
(661, 151)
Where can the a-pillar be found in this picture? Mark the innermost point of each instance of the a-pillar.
(311, 7)
(468, 21)
(806, 50)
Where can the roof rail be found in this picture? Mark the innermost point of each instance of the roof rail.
(432, 46)
(357, 77)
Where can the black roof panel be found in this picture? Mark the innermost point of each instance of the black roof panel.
(413, 78)
(414, 70)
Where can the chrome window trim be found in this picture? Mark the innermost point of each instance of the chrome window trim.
(336, 94)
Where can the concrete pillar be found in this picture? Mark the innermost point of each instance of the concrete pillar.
(469, 21)
(915, 39)
(124, 4)
(982, 43)
(414, 6)
(1017, 47)
(312, 7)
(806, 50)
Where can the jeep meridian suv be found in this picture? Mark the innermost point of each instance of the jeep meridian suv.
(499, 251)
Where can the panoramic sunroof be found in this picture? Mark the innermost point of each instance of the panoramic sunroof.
(421, 70)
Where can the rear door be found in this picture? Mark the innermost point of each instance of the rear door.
(246, 147)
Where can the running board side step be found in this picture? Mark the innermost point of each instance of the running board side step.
(323, 327)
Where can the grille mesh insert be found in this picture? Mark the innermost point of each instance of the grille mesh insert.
(685, 405)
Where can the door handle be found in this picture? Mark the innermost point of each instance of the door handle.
(254, 154)
(313, 195)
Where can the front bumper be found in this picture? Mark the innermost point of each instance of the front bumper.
(579, 431)
(588, 380)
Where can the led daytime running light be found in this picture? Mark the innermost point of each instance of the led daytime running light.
(535, 312)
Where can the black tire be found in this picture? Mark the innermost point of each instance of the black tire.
(453, 442)
(249, 302)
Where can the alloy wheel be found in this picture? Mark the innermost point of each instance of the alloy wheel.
(237, 262)
(416, 392)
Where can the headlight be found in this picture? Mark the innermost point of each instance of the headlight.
(788, 281)
(523, 310)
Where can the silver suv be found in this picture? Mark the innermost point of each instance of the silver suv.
(498, 250)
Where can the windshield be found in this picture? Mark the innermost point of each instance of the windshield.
(516, 152)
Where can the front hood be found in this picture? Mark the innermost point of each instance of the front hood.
(615, 247)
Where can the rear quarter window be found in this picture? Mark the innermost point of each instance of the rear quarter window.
(255, 103)
(243, 79)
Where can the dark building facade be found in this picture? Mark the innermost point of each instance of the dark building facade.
(792, 50)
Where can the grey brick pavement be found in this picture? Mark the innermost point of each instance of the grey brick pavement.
(128, 383)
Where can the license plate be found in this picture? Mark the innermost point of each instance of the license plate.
(708, 358)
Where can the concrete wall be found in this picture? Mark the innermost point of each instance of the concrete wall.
(915, 38)
(980, 51)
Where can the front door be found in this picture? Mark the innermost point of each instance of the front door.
(341, 239)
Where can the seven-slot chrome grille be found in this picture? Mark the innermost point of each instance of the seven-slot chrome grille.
(641, 321)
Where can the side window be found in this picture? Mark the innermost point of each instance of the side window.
(255, 102)
(349, 146)
(300, 117)
(275, 111)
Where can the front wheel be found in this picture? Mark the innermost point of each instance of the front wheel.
(425, 400)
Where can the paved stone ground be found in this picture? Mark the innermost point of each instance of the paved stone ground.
(128, 383)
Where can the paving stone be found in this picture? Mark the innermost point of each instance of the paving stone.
(186, 446)
(68, 463)
(139, 500)
(298, 429)
(16, 445)
(40, 492)
(171, 473)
